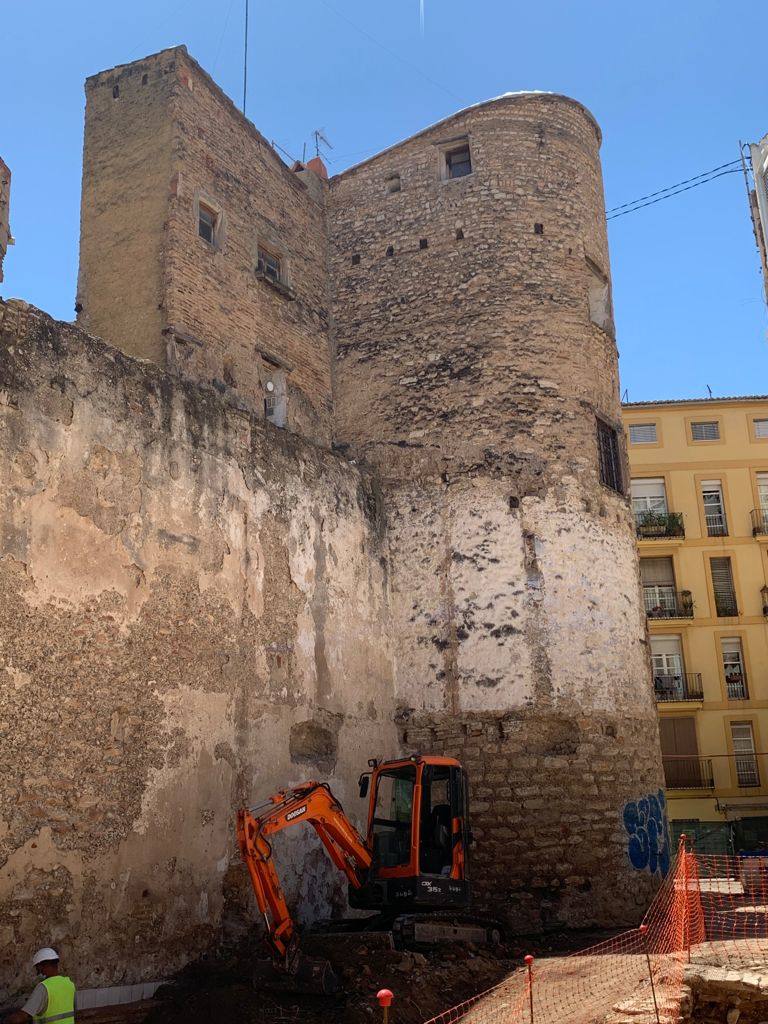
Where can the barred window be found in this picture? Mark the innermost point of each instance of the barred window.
(761, 428)
(610, 456)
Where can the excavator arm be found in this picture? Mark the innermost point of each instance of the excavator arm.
(311, 802)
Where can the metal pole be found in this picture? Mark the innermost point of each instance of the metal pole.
(245, 57)
(529, 965)
(643, 931)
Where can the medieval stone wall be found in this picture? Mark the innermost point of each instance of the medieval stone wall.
(470, 372)
(193, 614)
(162, 138)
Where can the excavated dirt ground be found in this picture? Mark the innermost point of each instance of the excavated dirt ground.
(424, 983)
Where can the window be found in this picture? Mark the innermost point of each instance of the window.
(708, 430)
(743, 738)
(683, 768)
(762, 491)
(714, 508)
(268, 264)
(733, 668)
(275, 397)
(392, 817)
(609, 456)
(206, 223)
(659, 596)
(648, 496)
(722, 585)
(667, 663)
(642, 433)
(458, 162)
(761, 428)
(393, 183)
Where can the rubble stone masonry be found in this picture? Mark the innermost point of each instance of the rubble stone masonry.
(191, 603)
(471, 372)
(198, 607)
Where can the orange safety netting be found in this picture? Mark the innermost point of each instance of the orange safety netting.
(710, 910)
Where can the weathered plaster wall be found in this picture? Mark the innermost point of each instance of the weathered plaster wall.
(192, 613)
(470, 372)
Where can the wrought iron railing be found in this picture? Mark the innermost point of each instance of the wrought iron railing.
(663, 602)
(650, 525)
(683, 686)
(736, 686)
(717, 525)
(759, 517)
(726, 606)
(683, 772)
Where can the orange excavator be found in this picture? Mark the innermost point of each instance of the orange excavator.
(411, 866)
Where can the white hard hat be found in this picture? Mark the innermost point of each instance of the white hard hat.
(46, 953)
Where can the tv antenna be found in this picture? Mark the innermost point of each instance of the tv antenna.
(709, 389)
(321, 139)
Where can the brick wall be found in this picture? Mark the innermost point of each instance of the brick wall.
(161, 138)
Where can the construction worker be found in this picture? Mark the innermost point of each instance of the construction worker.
(52, 999)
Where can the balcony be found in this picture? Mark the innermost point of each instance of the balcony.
(684, 686)
(759, 517)
(684, 772)
(655, 525)
(736, 686)
(662, 602)
(726, 606)
(717, 525)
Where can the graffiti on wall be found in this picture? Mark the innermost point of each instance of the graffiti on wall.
(647, 827)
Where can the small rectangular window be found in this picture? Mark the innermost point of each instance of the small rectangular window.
(747, 772)
(708, 430)
(610, 456)
(642, 433)
(206, 223)
(761, 428)
(458, 162)
(269, 265)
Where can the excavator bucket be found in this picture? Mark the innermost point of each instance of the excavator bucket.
(308, 975)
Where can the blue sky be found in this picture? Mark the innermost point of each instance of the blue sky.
(674, 86)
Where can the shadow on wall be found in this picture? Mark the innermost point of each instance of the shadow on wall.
(647, 827)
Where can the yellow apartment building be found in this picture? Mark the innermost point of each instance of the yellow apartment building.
(699, 486)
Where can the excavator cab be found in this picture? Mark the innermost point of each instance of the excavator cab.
(418, 835)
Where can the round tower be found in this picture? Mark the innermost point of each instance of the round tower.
(476, 371)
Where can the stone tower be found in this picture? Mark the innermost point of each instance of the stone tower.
(476, 372)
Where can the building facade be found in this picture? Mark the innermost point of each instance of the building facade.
(326, 470)
(700, 500)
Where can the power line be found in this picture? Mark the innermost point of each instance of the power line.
(392, 53)
(668, 195)
(669, 187)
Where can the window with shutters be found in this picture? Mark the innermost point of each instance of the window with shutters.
(649, 495)
(714, 508)
(723, 587)
(642, 433)
(761, 429)
(269, 264)
(747, 774)
(705, 430)
(683, 768)
(659, 596)
(609, 456)
(733, 668)
(762, 491)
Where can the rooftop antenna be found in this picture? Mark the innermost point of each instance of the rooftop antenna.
(245, 56)
(625, 396)
(709, 389)
(321, 139)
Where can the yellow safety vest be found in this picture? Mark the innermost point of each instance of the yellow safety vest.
(61, 1001)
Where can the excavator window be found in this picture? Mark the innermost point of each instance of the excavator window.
(436, 852)
(392, 817)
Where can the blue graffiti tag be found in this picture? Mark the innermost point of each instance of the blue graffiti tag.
(648, 845)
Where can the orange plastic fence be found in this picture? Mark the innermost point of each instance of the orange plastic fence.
(710, 909)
